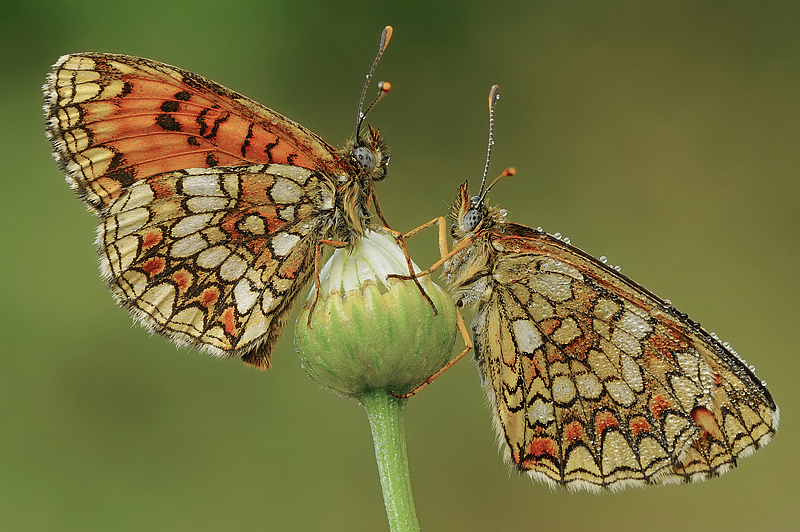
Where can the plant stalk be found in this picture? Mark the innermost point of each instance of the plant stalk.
(385, 413)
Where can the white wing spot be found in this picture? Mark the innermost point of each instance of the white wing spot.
(233, 268)
(283, 243)
(541, 412)
(188, 246)
(286, 192)
(245, 297)
(253, 224)
(553, 286)
(207, 204)
(212, 257)
(635, 325)
(190, 224)
(528, 337)
(202, 185)
(563, 389)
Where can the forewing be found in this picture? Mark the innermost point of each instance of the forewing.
(597, 383)
(215, 257)
(116, 119)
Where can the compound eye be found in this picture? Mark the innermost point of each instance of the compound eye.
(365, 158)
(472, 219)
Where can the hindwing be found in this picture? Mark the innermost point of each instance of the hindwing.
(598, 383)
(215, 257)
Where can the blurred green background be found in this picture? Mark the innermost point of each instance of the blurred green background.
(664, 135)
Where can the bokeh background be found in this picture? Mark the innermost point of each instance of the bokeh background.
(662, 134)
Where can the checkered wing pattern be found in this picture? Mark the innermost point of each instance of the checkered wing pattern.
(212, 206)
(214, 257)
(596, 382)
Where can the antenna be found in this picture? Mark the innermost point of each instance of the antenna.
(383, 89)
(385, 37)
(494, 95)
(508, 172)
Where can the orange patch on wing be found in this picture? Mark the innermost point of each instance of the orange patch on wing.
(659, 406)
(183, 279)
(573, 432)
(289, 269)
(704, 419)
(549, 326)
(268, 213)
(639, 425)
(605, 421)
(163, 188)
(529, 369)
(229, 223)
(538, 449)
(210, 296)
(228, 320)
(152, 238)
(256, 245)
(154, 265)
(255, 187)
(579, 347)
(264, 257)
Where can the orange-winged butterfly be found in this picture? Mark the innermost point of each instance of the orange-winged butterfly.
(212, 207)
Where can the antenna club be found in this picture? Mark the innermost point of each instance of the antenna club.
(509, 172)
(384, 86)
(386, 36)
(494, 95)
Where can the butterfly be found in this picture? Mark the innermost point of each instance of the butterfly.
(594, 381)
(213, 208)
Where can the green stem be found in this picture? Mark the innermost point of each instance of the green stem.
(385, 413)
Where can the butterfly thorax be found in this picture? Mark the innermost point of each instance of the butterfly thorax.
(469, 271)
(367, 158)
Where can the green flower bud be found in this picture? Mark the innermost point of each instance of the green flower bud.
(368, 332)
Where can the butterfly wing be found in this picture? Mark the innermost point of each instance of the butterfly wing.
(597, 383)
(116, 119)
(215, 257)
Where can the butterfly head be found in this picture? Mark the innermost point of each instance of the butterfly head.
(470, 214)
(370, 155)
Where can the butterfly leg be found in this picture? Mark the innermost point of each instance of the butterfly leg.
(442, 247)
(442, 243)
(467, 342)
(442, 233)
(378, 210)
(317, 255)
(411, 275)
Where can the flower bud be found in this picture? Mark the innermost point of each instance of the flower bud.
(368, 332)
